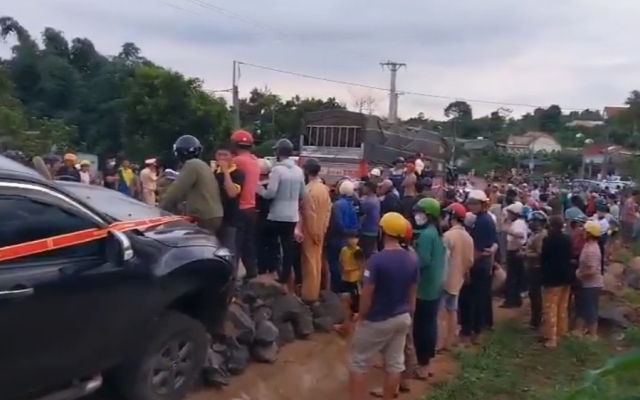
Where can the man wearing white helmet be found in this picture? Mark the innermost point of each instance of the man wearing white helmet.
(475, 297)
(516, 229)
(375, 176)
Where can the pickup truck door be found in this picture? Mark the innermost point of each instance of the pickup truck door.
(53, 305)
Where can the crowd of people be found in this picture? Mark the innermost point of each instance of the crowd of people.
(407, 258)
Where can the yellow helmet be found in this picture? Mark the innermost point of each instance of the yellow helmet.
(593, 228)
(393, 224)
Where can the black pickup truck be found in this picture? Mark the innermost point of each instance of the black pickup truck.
(130, 307)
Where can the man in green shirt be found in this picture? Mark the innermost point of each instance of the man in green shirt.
(431, 260)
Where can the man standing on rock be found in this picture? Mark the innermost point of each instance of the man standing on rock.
(285, 189)
(250, 167)
(316, 210)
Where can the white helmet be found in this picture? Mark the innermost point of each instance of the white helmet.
(346, 188)
(478, 195)
(265, 166)
(515, 208)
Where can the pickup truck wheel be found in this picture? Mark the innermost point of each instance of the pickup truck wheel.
(169, 364)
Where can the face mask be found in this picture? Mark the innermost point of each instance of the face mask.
(421, 219)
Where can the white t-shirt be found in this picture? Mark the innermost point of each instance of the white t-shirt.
(604, 224)
(518, 226)
(535, 193)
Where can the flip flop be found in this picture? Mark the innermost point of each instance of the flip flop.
(417, 377)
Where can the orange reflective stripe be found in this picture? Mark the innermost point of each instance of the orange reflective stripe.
(75, 238)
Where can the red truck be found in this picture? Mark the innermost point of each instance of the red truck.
(349, 143)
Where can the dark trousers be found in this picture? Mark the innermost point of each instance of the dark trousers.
(246, 243)
(515, 279)
(332, 253)
(266, 249)
(297, 262)
(368, 244)
(488, 310)
(281, 240)
(425, 329)
(473, 310)
(535, 296)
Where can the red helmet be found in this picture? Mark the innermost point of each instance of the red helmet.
(457, 210)
(408, 234)
(242, 138)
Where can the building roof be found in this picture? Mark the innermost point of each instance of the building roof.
(614, 111)
(584, 123)
(600, 148)
(527, 139)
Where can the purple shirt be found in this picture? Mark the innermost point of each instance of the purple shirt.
(392, 272)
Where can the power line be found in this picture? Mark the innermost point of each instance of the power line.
(433, 96)
(259, 25)
(249, 21)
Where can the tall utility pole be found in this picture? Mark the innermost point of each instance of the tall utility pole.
(235, 97)
(394, 67)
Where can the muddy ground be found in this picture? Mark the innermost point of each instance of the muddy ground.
(315, 369)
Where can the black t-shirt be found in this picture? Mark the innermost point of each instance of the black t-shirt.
(110, 172)
(230, 205)
(67, 173)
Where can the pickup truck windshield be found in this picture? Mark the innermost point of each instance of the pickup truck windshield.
(113, 203)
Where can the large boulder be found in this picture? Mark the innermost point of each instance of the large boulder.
(266, 333)
(286, 334)
(332, 306)
(286, 308)
(632, 278)
(264, 353)
(612, 283)
(239, 324)
(634, 264)
(261, 287)
(616, 269)
(613, 315)
(303, 323)
(238, 357)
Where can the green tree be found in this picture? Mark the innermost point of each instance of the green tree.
(161, 105)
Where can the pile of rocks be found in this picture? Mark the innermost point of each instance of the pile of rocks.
(260, 321)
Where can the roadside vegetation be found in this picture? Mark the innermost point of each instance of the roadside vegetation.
(513, 365)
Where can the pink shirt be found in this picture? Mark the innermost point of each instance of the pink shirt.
(248, 164)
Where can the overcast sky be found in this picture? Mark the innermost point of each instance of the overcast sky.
(575, 53)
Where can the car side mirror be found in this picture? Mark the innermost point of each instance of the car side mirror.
(119, 250)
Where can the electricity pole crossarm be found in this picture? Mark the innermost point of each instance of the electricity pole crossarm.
(394, 67)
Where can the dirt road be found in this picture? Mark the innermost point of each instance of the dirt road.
(310, 370)
(315, 370)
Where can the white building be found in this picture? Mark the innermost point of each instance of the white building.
(532, 142)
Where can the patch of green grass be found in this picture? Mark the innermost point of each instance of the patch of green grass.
(513, 365)
(632, 336)
(631, 296)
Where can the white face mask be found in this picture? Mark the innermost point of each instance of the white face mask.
(420, 219)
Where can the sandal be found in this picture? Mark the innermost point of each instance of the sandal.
(416, 376)
(443, 350)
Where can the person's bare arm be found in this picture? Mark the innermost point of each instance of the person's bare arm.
(231, 188)
(366, 296)
(412, 298)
